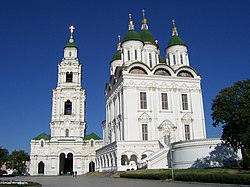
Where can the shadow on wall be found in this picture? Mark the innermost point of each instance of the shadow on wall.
(221, 156)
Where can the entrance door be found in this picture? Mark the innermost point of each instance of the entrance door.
(66, 164)
(41, 168)
(91, 166)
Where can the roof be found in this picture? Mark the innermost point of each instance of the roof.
(175, 40)
(117, 55)
(131, 35)
(42, 136)
(146, 36)
(70, 44)
(91, 136)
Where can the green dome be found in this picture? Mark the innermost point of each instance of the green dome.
(117, 55)
(146, 36)
(70, 44)
(131, 35)
(175, 40)
(162, 59)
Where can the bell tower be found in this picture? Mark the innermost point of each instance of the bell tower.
(68, 105)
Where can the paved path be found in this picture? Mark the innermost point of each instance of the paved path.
(91, 181)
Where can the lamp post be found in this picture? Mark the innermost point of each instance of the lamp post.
(172, 162)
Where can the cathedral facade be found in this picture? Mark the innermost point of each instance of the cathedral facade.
(153, 105)
(67, 149)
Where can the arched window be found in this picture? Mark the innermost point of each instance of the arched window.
(42, 143)
(185, 74)
(70, 53)
(69, 77)
(162, 71)
(92, 143)
(68, 108)
(137, 70)
(124, 160)
(41, 168)
(143, 156)
(67, 133)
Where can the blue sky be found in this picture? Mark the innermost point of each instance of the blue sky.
(34, 32)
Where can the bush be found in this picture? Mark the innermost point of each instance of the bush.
(153, 176)
(214, 178)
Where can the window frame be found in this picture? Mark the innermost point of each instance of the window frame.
(164, 103)
(143, 101)
(187, 133)
(184, 102)
(144, 131)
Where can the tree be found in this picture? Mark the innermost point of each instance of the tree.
(18, 159)
(231, 109)
(4, 154)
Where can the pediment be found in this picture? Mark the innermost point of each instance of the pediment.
(166, 125)
(144, 117)
(186, 118)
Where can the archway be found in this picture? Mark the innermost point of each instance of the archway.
(41, 168)
(66, 164)
(91, 166)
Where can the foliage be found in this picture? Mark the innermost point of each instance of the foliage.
(210, 175)
(17, 160)
(231, 109)
(214, 178)
(4, 154)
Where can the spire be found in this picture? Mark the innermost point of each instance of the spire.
(119, 43)
(71, 39)
(144, 22)
(131, 23)
(174, 29)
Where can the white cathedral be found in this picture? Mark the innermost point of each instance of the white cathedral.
(154, 112)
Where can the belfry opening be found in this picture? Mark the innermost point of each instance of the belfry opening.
(66, 164)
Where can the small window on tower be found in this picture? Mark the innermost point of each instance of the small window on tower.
(67, 133)
(150, 60)
(128, 55)
(69, 77)
(68, 108)
(135, 54)
(69, 54)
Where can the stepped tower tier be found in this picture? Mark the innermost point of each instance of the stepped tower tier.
(68, 109)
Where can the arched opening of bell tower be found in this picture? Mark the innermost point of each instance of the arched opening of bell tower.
(66, 164)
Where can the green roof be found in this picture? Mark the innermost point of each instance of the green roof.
(42, 136)
(70, 44)
(146, 36)
(175, 40)
(117, 55)
(91, 136)
(131, 35)
(162, 59)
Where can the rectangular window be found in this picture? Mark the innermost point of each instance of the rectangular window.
(184, 99)
(187, 132)
(135, 54)
(144, 131)
(181, 59)
(128, 55)
(143, 100)
(164, 101)
(150, 60)
(174, 59)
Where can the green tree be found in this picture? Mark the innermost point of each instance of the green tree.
(18, 159)
(4, 154)
(231, 109)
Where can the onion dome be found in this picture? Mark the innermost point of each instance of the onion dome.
(162, 59)
(117, 55)
(131, 34)
(71, 42)
(145, 34)
(175, 39)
